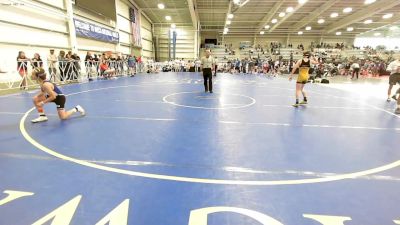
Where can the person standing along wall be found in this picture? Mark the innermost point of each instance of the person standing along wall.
(52, 63)
(22, 63)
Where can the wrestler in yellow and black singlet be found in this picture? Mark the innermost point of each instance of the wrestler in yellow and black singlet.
(304, 70)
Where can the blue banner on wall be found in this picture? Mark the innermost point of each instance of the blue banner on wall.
(89, 30)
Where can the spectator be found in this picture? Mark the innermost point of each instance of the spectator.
(62, 65)
(52, 63)
(132, 65)
(106, 71)
(36, 61)
(69, 67)
(182, 65)
(96, 62)
(139, 62)
(76, 66)
(22, 63)
(89, 65)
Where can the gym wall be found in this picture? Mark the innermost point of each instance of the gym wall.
(391, 43)
(147, 38)
(32, 30)
(43, 24)
(185, 43)
(306, 41)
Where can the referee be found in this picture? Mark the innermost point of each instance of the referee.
(207, 64)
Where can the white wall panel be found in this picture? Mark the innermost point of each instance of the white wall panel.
(124, 24)
(31, 36)
(123, 8)
(88, 44)
(55, 3)
(125, 50)
(124, 38)
(31, 17)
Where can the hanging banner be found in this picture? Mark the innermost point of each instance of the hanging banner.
(134, 17)
(93, 31)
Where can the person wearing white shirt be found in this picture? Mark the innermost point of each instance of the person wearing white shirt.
(215, 67)
(182, 64)
(52, 62)
(356, 69)
(207, 65)
(394, 69)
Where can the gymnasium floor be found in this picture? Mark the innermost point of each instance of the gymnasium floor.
(162, 147)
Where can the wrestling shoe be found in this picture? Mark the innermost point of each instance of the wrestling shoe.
(397, 111)
(80, 110)
(303, 103)
(39, 119)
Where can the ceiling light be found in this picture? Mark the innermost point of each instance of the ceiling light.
(350, 29)
(161, 6)
(302, 1)
(228, 22)
(393, 28)
(282, 14)
(262, 32)
(300, 32)
(308, 28)
(347, 10)
(320, 21)
(289, 9)
(368, 21)
(225, 32)
(230, 16)
(334, 15)
(226, 29)
(387, 16)
(338, 33)
(168, 17)
(236, 2)
(267, 26)
(377, 34)
(274, 21)
(369, 1)
(173, 26)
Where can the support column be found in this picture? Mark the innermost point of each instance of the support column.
(116, 28)
(71, 26)
(287, 40)
(140, 22)
(195, 44)
(169, 31)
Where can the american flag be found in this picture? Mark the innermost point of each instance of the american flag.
(135, 22)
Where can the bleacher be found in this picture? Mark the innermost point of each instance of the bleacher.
(357, 53)
(285, 53)
(219, 52)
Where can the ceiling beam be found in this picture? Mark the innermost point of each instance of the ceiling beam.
(270, 14)
(314, 15)
(166, 9)
(383, 24)
(229, 11)
(193, 14)
(286, 17)
(365, 13)
(237, 7)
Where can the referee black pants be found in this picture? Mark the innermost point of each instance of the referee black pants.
(207, 75)
(356, 71)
